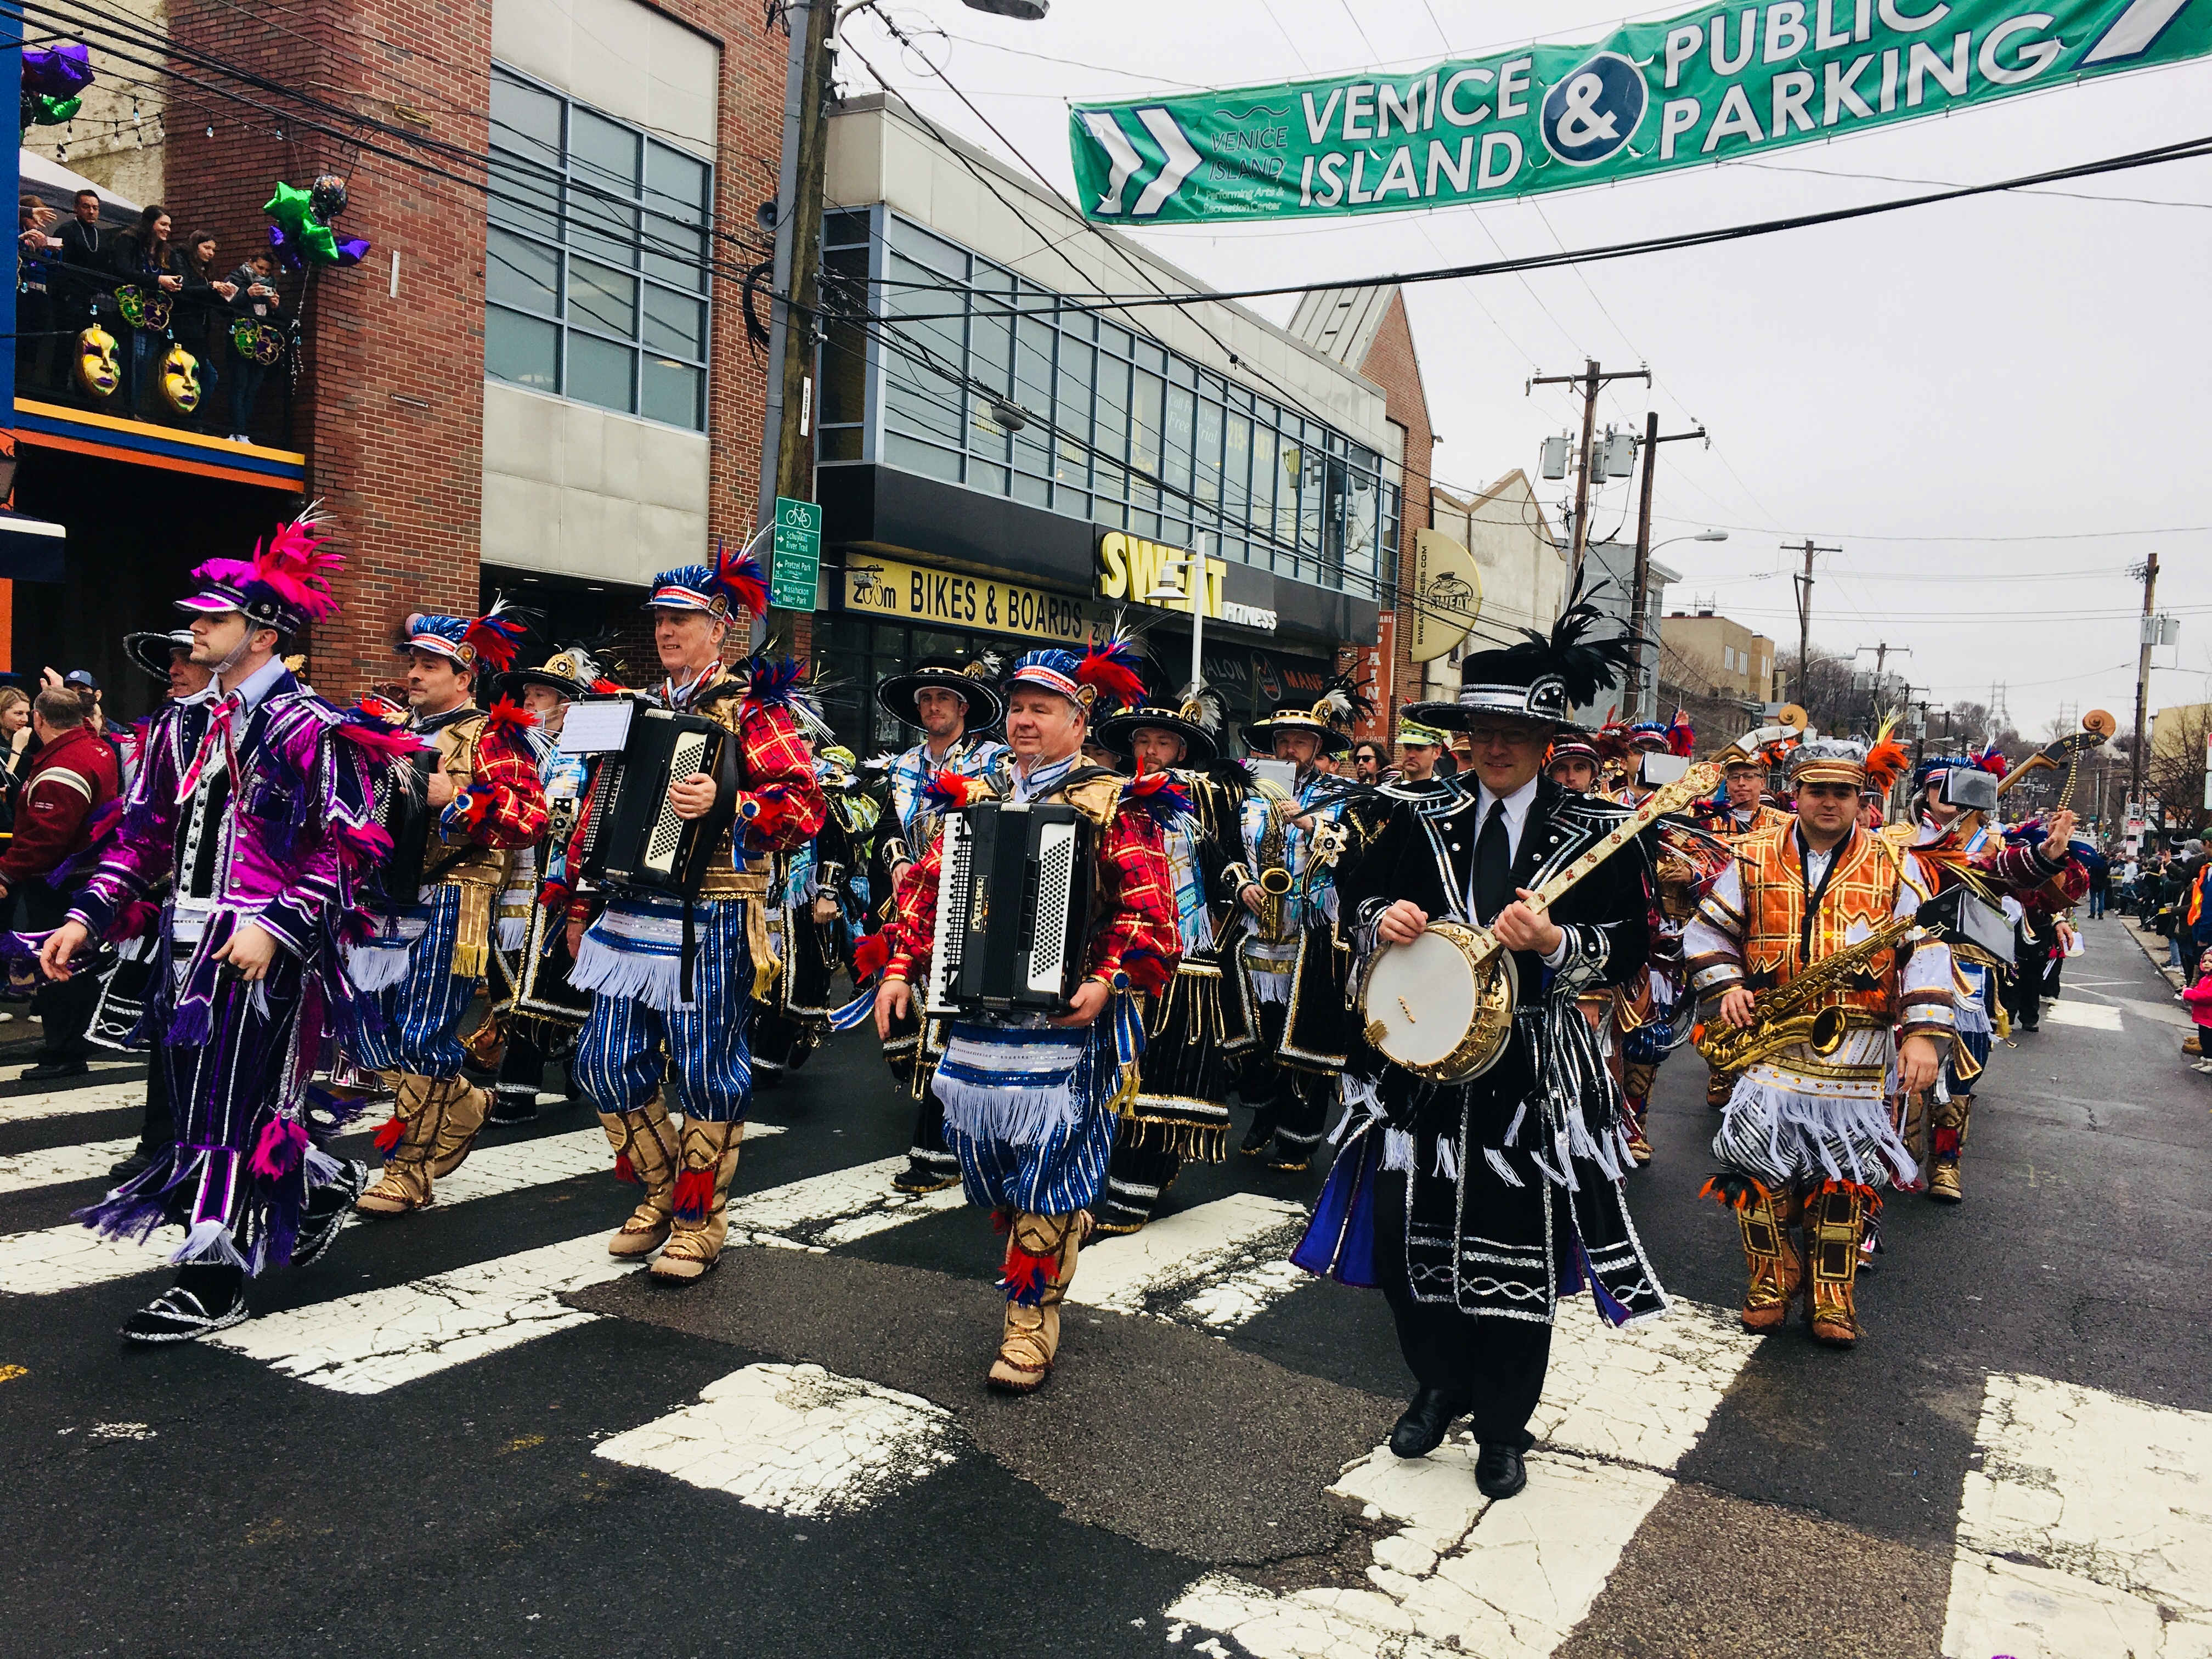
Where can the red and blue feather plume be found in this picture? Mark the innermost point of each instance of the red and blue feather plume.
(738, 574)
(495, 637)
(1160, 794)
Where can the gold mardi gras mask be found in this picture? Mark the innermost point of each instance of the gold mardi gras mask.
(96, 368)
(181, 381)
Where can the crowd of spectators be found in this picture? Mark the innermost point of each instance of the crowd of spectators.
(70, 271)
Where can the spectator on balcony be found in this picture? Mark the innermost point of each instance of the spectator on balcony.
(36, 315)
(86, 256)
(257, 300)
(145, 260)
(203, 325)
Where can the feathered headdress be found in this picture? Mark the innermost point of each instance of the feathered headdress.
(1102, 677)
(1330, 717)
(734, 579)
(490, 640)
(1195, 715)
(284, 584)
(1888, 760)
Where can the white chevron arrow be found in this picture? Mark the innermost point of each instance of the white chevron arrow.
(2133, 31)
(1182, 160)
(1119, 150)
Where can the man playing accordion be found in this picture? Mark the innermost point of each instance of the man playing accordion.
(1031, 1100)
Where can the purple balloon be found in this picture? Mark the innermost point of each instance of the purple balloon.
(59, 72)
(352, 250)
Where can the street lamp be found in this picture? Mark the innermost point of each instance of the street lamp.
(1169, 589)
(1030, 11)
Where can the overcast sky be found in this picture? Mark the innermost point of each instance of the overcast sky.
(1993, 407)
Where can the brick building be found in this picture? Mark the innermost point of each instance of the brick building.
(1366, 329)
(1719, 658)
(544, 387)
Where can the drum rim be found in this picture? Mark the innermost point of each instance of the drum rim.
(1467, 1059)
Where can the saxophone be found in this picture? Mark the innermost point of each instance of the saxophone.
(1274, 874)
(1786, 1017)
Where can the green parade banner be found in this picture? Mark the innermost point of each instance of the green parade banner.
(1711, 85)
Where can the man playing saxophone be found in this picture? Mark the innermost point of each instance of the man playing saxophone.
(1784, 949)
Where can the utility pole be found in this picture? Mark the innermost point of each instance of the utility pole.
(2142, 680)
(1590, 381)
(1803, 583)
(1636, 621)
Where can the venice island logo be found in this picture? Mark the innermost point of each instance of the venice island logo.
(1590, 113)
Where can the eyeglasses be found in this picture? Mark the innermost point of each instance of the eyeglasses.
(1515, 737)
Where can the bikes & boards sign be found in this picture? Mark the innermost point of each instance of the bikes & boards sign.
(1706, 86)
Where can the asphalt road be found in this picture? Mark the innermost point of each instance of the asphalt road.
(464, 1433)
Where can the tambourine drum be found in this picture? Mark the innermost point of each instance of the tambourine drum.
(1429, 1008)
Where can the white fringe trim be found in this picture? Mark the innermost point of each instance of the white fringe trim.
(322, 1168)
(1504, 1170)
(1974, 1019)
(209, 1243)
(1005, 1117)
(1271, 987)
(657, 980)
(1398, 1150)
(512, 930)
(1802, 1130)
(377, 967)
(1447, 1160)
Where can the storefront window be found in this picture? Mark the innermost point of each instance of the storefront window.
(982, 378)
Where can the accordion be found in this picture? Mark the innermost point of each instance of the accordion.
(629, 834)
(1024, 955)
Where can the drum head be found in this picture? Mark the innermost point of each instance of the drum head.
(1422, 996)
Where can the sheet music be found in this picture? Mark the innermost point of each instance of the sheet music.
(598, 728)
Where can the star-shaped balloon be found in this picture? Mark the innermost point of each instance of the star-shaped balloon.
(299, 236)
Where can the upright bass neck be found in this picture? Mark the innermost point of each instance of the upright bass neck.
(1698, 782)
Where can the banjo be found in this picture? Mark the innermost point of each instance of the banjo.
(1442, 1007)
(2097, 727)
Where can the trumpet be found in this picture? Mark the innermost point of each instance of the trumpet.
(1787, 1016)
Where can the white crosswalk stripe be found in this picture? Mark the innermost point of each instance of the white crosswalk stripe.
(72, 1102)
(50, 1260)
(1508, 1581)
(88, 1160)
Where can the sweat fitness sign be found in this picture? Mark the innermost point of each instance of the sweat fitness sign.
(1703, 87)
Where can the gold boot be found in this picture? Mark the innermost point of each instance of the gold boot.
(409, 1141)
(464, 1106)
(699, 1201)
(1770, 1257)
(645, 1151)
(1040, 1264)
(1914, 1130)
(1835, 1219)
(1947, 1120)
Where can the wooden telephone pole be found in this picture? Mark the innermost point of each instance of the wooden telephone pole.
(1803, 581)
(2142, 688)
(1590, 381)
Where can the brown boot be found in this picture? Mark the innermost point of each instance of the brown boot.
(1040, 1264)
(1719, 1086)
(699, 1201)
(1948, 1121)
(645, 1151)
(463, 1107)
(409, 1141)
(1835, 1219)
(1768, 1252)
(1914, 1130)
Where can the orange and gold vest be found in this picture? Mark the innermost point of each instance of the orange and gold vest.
(1862, 894)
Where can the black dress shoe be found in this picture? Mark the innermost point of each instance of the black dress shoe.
(140, 1161)
(513, 1106)
(1257, 1137)
(1425, 1424)
(328, 1205)
(49, 1071)
(1498, 1472)
(180, 1315)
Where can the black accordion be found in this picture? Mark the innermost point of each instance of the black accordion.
(630, 835)
(1014, 890)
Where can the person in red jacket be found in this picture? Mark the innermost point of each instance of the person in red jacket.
(71, 779)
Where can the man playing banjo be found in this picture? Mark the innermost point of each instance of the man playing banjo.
(1492, 1193)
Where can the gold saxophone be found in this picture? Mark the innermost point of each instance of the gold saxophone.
(1273, 875)
(1785, 1018)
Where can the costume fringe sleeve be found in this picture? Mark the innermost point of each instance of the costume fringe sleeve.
(504, 805)
(142, 848)
(1712, 943)
(912, 929)
(323, 896)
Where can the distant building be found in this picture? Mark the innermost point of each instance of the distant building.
(1609, 576)
(1721, 658)
(1523, 570)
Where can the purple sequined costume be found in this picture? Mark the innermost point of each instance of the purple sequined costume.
(274, 827)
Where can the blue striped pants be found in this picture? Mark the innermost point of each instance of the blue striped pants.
(628, 1046)
(420, 1028)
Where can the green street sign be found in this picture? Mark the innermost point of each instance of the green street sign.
(1712, 85)
(794, 575)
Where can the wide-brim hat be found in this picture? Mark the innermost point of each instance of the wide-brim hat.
(570, 671)
(149, 653)
(1117, 733)
(1426, 737)
(971, 682)
(1260, 735)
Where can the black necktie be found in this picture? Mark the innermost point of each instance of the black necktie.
(1493, 865)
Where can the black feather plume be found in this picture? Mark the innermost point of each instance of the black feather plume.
(1586, 667)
